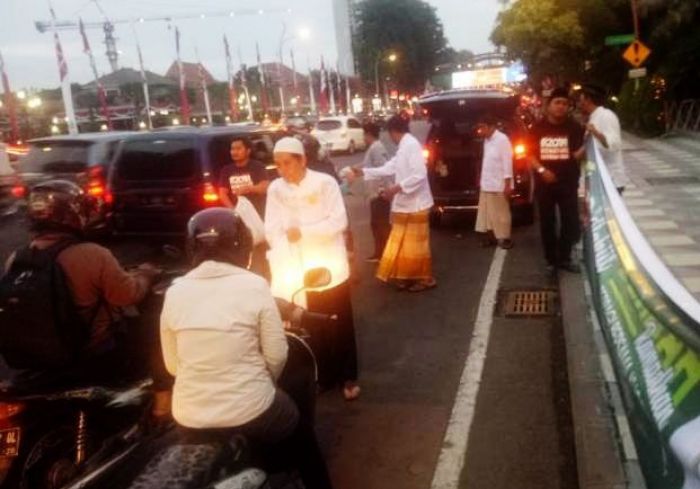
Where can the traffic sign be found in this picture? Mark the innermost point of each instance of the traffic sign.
(637, 53)
(619, 39)
(637, 73)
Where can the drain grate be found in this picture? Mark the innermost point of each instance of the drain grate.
(523, 303)
(679, 180)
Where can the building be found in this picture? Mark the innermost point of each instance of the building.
(344, 17)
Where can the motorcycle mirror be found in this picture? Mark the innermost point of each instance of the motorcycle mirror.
(316, 278)
(172, 251)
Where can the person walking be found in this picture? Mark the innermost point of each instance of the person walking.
(380, 203)
(604, 126)
(558, 149)
(493, 219)
(406, 260)
(305, 221)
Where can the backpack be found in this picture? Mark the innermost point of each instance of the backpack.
(40, 326)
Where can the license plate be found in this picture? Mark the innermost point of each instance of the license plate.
(9, 442)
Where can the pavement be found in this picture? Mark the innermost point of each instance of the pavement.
(664, 199)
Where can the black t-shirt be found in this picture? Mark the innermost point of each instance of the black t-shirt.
(555, 145)
(234, 177)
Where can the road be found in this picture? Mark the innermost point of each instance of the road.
(413, 350)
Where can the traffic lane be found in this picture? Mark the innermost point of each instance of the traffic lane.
(412, 348)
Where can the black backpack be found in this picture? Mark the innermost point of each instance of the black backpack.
(40, 326)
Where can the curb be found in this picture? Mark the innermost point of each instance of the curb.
(605, 452)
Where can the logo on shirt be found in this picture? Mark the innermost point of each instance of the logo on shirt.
(555, 148)
(239, 181)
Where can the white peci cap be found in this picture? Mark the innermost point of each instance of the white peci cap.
(289, 145)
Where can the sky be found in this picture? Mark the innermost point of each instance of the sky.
(31, 62)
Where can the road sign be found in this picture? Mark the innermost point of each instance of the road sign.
(636, 54)
(619, 39)
(637, 73)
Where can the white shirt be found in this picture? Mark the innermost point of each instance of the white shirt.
(497, 164)
(223, 340)
(247, 212)
(410, 172)
(606, 121)
(316, 207)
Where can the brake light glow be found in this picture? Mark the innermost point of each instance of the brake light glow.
(10, 409)
(426, 153)
(17, 149)
(520, 151)
(210, 196)
(19, 191)
(97, 185)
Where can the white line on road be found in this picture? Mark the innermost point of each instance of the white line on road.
(454, 447)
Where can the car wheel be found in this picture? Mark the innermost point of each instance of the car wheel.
(351, 147)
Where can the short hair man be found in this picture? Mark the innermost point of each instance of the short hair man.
(380, 202)
(243, 177)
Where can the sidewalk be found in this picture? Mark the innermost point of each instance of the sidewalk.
(664, 200)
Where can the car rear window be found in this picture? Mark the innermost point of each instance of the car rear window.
(328, 125)
(57, 157)
(158, 159)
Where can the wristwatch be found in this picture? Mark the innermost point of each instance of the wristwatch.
(541, 170)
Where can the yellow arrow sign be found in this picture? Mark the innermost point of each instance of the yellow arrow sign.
(636, 53)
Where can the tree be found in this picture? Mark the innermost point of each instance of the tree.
(410, 29)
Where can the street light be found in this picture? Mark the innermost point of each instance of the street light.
(391, 58)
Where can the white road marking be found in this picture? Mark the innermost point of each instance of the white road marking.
(672, 240)
(454, 447)
(682, 259)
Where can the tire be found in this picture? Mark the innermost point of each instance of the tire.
(351, 147)
(49, 464)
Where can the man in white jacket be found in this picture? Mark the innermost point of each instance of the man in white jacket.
(223, 340)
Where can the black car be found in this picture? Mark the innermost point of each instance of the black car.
(160, 179)
(455, 149)
(83, 158)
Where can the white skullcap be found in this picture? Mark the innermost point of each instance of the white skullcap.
(289, 145)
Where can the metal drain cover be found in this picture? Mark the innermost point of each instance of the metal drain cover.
(679, 180)
(524, 303)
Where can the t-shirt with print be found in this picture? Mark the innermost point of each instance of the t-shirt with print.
(555, 145)
(234, 177)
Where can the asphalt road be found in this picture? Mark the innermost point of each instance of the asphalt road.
(412, 352)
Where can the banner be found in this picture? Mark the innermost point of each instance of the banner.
(65, 81)
(652, 326)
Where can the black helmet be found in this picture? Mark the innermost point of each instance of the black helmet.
(58, 205)
(219, 234)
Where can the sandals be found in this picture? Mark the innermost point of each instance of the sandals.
(421, 286)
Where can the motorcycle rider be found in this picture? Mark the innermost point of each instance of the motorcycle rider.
(223, 340)
(59, 211)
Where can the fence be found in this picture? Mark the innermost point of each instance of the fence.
(652, 326)
(683, 116)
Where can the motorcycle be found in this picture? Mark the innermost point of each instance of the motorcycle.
(173, 461)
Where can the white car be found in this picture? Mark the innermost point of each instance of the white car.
(341, 133)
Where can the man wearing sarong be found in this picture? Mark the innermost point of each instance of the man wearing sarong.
(493, 220)
(406, 260)
(305, 221)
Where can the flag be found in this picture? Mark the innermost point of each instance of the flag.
(9, 102)
(184, 102)
(65, 81)
(144, 80)
(312, 97)
(232, 97)
(348, 95)
(331, 90)
(323, 97)
(339, 88)
(294, 72)
(244, 85)
(101, 94)
(205, 90)
(263, 82)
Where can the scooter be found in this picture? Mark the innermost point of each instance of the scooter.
(171, 461)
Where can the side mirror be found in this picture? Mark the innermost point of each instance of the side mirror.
(317, 278)
(172, 252)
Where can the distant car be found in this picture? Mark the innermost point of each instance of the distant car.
(341, 133)
(161, 179)
(84, 159)
(455, 149)
(10, 190)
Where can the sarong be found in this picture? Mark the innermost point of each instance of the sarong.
(407, 253)
(494, 215)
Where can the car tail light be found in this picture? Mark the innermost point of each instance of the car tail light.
(19, 191)
(210, 195)
(97, 185)
(520, 151)
(10, 409)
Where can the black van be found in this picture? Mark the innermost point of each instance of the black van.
(160, 179)
(455, 150)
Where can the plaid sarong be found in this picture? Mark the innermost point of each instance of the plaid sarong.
(407, 253)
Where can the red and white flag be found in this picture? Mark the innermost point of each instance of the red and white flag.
(205, 89)
(184, 101)
(263, 81)
(232, 96)
(244, 85)
(65, 81)
(101, 94)
(144, 80)
(323, 98)
(9, 102)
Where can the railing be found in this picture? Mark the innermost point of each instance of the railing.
(683, 116)
(652, 326)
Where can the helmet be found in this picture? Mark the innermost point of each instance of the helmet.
(221, 235)
(58, 205)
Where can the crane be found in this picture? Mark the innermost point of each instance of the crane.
(108, 25)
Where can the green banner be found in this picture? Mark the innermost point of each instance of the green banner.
(654, 344)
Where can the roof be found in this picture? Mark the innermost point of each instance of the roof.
(126, 76)
(191, 74)
(86, 136)
(179, 131)
(463, 94)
